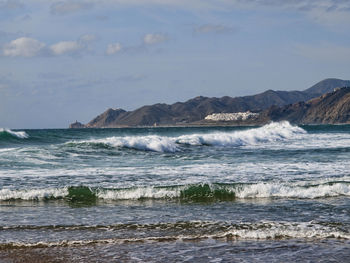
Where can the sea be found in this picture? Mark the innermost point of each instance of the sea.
(276, 193)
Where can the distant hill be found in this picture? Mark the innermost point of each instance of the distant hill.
(196, 109)
(106, 119)
(330, 108)
(327, 85)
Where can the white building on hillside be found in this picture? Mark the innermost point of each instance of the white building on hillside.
(238, 116)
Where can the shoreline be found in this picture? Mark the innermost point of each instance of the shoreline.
(204, 125)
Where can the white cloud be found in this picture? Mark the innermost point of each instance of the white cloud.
(211, 28)
(67, 7)
(65, 47)
(23, 47)
(73, 47)
(113, 48)
(151, 39)
(29, 47)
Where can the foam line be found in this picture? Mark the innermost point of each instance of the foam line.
(269, 133)
(192, 192)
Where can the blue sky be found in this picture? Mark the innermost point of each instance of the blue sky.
(62, 61)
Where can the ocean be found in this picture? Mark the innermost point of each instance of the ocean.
(277, 193)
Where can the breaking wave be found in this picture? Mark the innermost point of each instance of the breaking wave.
(144, 143)
(268, 133)
(33, 194)
(192, 193)
(8, 134)
(192, 230)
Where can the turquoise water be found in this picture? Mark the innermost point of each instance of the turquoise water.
(178, 194)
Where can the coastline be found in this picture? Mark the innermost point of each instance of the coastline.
(208, 125)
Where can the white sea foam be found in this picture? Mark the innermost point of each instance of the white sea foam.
(268, 133)
(140, 193)
(241, 191)
(5, 150)
(145, 143)
(18, 134)
(243, 231)
(33, 194)
(245, 191)
(191, 172)
(269, 190)
(273, 230)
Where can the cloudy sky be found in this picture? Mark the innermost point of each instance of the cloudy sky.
(62, 61)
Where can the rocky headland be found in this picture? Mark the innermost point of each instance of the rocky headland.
(326, 102)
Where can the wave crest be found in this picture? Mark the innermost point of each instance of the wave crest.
(152, 143)
(193, 230)
(194, 193)
(268, 133)
(7, 133)
(33, 194)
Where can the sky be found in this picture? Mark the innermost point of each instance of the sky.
(62, 61)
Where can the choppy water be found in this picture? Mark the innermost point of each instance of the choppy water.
(221, 194)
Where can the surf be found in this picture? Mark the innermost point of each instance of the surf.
(186, 231)
(6, 134)
(273, 132)
(200, 192)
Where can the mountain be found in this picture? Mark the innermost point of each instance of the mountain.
(107, 118)
(196, 109)
(330, 108)
(327, 85)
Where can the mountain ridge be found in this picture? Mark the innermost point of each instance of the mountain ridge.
(196, 109)
(330, 108)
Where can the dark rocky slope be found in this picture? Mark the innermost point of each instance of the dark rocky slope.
(330, 108)
(107, 118)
